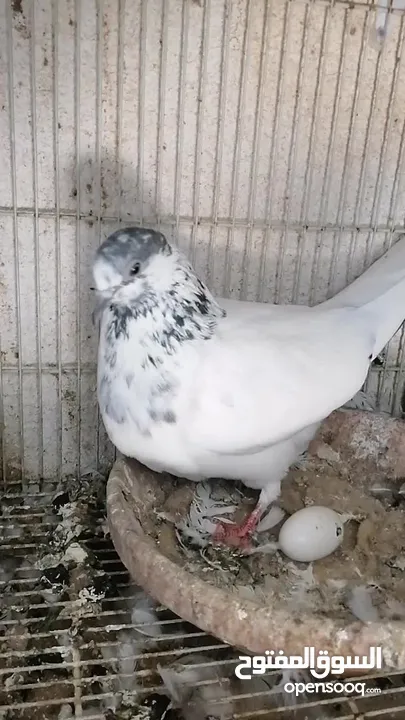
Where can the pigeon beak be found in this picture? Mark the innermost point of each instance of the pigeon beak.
(102, 302)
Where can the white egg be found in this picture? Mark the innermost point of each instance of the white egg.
(311, 534)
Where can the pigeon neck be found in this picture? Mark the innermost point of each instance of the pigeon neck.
(142, 347)
(185, 311)
(188, 312)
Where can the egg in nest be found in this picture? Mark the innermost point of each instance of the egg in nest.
(311, 534)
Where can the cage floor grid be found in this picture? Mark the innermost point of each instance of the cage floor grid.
(67, 633)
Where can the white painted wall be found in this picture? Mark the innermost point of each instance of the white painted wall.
(265, 137)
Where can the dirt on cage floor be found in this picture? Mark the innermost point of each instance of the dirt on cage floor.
(79, 640)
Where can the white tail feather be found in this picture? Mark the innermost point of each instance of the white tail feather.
(381, 291)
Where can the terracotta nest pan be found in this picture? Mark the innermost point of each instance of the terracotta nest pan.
(133, 492)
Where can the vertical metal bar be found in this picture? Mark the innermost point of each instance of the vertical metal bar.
(36, 245)
(392, 212)
(237, 151)
(161, 112)
(99, 96)
(141, 120)
(319, 85)
(55, 88)
(10, 55)
(220, 138)
(292, 155)
(257, 134)
(77, 675)
(78, 707)
(365, 159)
(336, 240)
(325, 192)
(78, 202)
(393, 207)
(99, 132)
(180, 125)
(397, 388)
(3, 450)
(347, 164)
(348, 158)
(200, 124)
(274, 144)
(120, 92)
(360, 193)
(382, 165)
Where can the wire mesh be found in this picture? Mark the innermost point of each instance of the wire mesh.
(265, 138)
(60, 656)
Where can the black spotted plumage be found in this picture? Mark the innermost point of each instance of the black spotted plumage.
(175, 317)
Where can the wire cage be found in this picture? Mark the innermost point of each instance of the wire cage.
(266, 138)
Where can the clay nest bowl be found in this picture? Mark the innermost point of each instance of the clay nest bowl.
(372, 443)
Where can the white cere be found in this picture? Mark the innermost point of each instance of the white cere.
(311, 534)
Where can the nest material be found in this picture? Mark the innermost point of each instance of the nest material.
(372, 445)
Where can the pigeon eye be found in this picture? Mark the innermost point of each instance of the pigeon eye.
(135, 269)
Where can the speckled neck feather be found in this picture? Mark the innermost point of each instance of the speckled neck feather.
(153, 328)
(187, 311)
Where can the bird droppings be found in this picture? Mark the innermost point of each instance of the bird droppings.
(17, 7)
(75, 553)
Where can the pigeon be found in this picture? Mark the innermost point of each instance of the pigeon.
(206, 388)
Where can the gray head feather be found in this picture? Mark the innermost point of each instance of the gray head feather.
(133, 285)
(125, 254)
(125, 247)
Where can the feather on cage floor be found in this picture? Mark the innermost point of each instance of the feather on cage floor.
(79, 640)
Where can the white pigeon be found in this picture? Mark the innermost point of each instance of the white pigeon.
(204, 388)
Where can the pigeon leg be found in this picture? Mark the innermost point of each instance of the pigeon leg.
(240, 535)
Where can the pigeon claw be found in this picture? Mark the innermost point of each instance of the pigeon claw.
(238, 536)
(230, 535)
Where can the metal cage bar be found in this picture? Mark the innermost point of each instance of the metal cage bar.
(241, 217)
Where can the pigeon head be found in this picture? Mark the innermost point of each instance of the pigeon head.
(131, 265)
(127, 257)
(136, 271)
